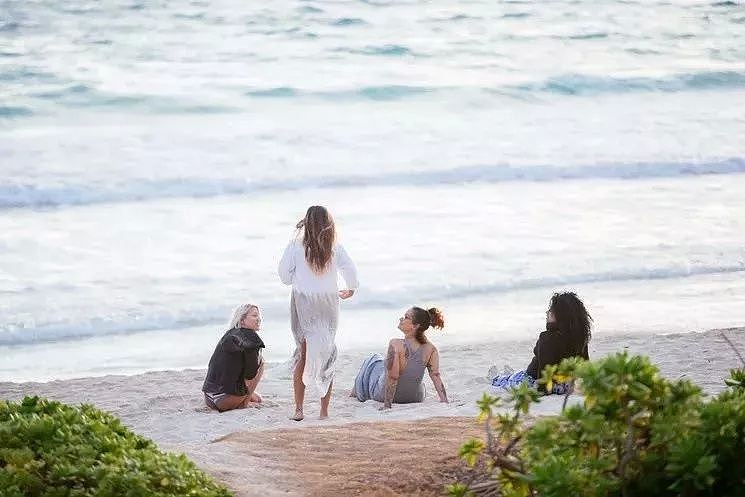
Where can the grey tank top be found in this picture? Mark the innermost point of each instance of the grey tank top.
(410, 388)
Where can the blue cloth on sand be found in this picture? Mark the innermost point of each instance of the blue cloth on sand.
(370, 381)
(510, 380)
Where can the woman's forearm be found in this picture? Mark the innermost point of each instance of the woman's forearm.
(440, 387)
(390, 391)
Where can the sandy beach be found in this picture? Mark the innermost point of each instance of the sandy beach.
(359, 450)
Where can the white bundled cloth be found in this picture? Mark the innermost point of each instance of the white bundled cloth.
(314, 310)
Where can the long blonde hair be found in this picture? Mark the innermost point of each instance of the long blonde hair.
(319, 236)
(239, 313)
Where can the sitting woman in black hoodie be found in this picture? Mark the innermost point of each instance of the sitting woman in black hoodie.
(567, 334)
(236, 365)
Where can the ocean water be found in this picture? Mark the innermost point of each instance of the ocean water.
(477, 156)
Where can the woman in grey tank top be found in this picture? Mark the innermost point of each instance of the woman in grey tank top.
(398, 377)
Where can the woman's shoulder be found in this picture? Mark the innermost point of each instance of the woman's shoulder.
(546, 337)
(295, 246)
(428, 349)
(295, 242)
(553, 339)
(249, 339)
(241, 339)
(338, 249)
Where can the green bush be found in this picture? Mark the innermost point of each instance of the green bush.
(49, 449)
(636, 434)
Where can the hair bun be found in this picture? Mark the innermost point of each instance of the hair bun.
(436, 319)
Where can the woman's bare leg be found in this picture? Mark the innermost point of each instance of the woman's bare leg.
(325, 402)
(230, 402)
(251, 385)
(298, 385)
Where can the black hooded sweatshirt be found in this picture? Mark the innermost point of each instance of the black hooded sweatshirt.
(236, 358)
(552, 347)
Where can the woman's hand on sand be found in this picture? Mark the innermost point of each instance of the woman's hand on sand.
(345, 294)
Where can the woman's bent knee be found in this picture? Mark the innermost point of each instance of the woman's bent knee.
(232, 402)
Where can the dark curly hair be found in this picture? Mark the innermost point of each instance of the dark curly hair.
(572, 318)
(425, 319)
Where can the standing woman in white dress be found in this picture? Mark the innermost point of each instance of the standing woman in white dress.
(310, 264)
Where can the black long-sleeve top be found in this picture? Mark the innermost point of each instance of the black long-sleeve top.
(551, 348)
(236, 358)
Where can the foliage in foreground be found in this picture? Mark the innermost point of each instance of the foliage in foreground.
(49, 449)
(637, 434)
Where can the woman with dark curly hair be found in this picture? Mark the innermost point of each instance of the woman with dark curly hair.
(398, 378)
(567, 335)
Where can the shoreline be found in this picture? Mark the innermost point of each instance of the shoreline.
(367, 350)
(140, 399)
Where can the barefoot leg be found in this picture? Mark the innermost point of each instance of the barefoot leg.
(298, 385)
(325, 403)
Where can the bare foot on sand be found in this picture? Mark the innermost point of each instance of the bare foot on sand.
(248, 404)
(255, 397)
(298, 415)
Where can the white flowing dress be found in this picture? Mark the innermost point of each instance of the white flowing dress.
(314, 310)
